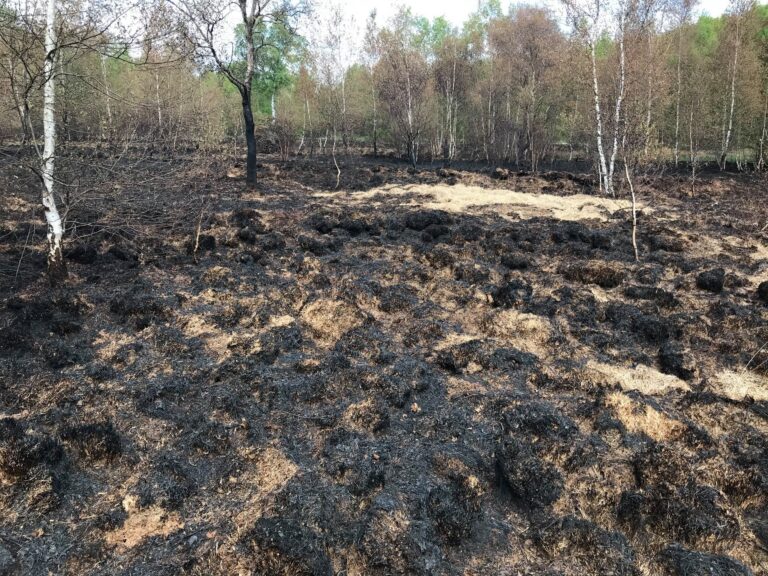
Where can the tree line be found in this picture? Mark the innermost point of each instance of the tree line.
(507, 87)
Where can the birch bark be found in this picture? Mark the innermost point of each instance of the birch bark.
(57, 270)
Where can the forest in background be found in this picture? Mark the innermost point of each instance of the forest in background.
(510, 86)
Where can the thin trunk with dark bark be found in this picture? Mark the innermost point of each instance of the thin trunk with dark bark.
(250, 137)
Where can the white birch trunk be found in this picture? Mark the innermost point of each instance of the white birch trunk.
(634, 210)
(599, 121)
(679, 90)
(411, 135)
(158, 102)
(693, 148)
(617, 114)
(56, 267)
(106, 134)
(761, 154)
(303, 129)
(729, 130)
(344, 126)
(649, 103)
(373, 94)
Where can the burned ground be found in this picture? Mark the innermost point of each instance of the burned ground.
(392, 379)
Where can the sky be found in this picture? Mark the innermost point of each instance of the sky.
(457, 11)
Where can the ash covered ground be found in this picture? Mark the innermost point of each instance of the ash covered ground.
(432, 372)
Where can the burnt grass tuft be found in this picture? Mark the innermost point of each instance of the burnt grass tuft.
(387, 383)
(99, 441)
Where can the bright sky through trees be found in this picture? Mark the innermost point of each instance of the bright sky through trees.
(457, 11)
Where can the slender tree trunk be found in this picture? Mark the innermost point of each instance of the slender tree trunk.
(335, 163)
(491, 119)
(452, 130)
(250, 137)
(57, 269)
(443, 136)
(303, 128)
(508, 132)
(763, 133)
(311, 130)
(617, 114)
(679, 90)
(245, 89)
(412, 137)
(603, 169)
(344, 122)
(106, 134)
(158, 103)
(516, 137)
(375, 135)
(450, 136)
(729, 131)
(693, 150)
(24, 119)
(649, 103)
(21, 102)
(634, 210)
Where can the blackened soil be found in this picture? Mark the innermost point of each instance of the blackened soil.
(363, 385)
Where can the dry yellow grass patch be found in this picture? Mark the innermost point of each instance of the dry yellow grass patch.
(739, 385)
(330, 319)
(641, 418)
(758, 250)
(219, 274)
(16, 204)
(462, 198)
(143, 524)
(273, 470)
(641, 378)
(527, 332)
(280, 321)
(235, 172)
(107, 344)
(215, 340)
(459, 387)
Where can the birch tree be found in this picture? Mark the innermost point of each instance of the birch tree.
(448, 72)
(370, 56)
(57, 269)
(587, 19)
(760, 164)
(404, 81)
(738, 10)
(26, 20)
(334, 56)
(682, 12)
(21, 64)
